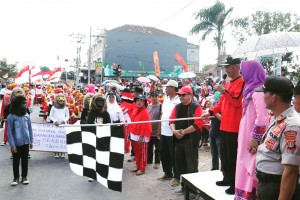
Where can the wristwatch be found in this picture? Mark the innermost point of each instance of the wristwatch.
(223, 91)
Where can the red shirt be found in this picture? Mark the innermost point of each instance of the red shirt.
(230, 105)
(143, 129)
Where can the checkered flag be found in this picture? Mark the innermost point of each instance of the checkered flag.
(97, 152)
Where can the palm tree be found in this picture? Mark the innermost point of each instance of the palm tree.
(213, 19)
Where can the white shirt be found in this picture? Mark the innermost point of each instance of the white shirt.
(114, 110)
(2, 91)
(59, 115)
(166, 110)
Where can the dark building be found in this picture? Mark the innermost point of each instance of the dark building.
(133, 47)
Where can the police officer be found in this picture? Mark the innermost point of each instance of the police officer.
(278, 157)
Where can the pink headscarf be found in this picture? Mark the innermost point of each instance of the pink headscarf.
(91, 88)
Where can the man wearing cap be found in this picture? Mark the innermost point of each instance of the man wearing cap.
(186, 132)
(167, 149)
(230, 105)
(278, 157)
(155, 112)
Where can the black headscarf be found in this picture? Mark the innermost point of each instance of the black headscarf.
(18, 106)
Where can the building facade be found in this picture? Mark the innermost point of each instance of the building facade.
(133, 46)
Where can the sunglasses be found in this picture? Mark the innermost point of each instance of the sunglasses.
(182, 95)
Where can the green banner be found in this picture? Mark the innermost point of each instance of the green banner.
(170, 73)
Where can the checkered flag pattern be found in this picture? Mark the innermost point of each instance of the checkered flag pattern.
(97, 152)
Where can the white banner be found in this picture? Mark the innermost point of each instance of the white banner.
(48, 137)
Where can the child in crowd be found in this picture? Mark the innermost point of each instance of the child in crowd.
(59, 114)
(19, 133)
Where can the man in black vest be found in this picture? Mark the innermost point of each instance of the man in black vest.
(186, 132)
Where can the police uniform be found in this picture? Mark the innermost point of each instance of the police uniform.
(280, 146)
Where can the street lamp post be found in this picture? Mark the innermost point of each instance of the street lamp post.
(90, 57)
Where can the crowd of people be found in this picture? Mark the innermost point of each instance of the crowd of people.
(253, 126)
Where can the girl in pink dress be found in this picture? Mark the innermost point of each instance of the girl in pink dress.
(252, 127)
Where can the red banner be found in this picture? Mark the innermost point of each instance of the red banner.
(156, 64)
(182, 63)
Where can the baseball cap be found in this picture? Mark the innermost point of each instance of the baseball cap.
(142, 97)
(154, 93)
(172, 83)
(231, 61)
(277, 84)
(185, 89)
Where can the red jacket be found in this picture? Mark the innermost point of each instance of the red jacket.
(230, 106)
(143, 129)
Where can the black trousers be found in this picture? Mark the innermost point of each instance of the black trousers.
(167, 156)
(154, 142)
(186, 157)
(215, 150)
(229, 143)
(22, 153)
(268, 191)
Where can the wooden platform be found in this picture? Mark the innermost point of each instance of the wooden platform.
(205, 182)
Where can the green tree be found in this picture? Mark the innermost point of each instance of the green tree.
(264, 22)
(44, 68)
(213, 19)
(11, 69)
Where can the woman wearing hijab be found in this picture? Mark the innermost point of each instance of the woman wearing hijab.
(113, 108)
(252, 127)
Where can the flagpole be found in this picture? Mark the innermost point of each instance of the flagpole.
(128, 123)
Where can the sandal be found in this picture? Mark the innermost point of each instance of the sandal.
(138, 173)
(135, 170)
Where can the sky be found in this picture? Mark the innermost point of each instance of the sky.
(37, 32)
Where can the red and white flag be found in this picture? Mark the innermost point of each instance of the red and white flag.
(23, 75)
(5, 75)
(55, 74)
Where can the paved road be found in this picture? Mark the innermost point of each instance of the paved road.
(52, 179)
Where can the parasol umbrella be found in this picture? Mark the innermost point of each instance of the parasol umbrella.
(269, 44)
(144, 79)
(152, 77)
(109, 81)
(113, 84)
(187, 75)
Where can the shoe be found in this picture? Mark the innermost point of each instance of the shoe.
(193, 196)
(132, 158)
(63, 155)
(230, 191)
(91, 180)
(179, 191)
(3, 144)
(15, 182)
(174, 182)
(29, 156)
(56, 156)
(25, 181)
(138, 173)
(164, 177)
(135, 170)
(222, 183)
(156, 166)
